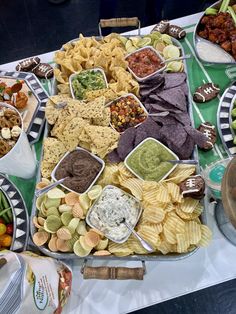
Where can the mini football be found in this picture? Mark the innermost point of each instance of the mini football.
(206, 92)
(193, 187)
(209, 131)
(43, 70)
(28, 64)
(176, 32)
(161, 27)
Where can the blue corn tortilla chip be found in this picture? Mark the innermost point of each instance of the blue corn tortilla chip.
(198, 137)
(126, 143)
(174, 134)
(140, 136)
(113, 157)
(185, 151)
(174, 79)
(174, 96)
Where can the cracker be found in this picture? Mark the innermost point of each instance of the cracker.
(53, 150)
(47, 168)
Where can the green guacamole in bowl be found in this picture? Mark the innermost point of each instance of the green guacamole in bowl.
(92, 79)
(148, 161)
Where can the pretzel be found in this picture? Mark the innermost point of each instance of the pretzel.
(4, 147)
(4, 123)
(15, 120)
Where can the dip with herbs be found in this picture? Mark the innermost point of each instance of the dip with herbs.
(110, 210)
(149, 160)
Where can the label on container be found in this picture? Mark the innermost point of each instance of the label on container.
(217, 173)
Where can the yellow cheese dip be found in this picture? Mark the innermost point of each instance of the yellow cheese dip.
(148, 160)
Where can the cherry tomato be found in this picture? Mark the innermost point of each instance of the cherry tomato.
(3, 229)
(9, 229)
(5, 240)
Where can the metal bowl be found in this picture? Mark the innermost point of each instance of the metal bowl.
(197, 39)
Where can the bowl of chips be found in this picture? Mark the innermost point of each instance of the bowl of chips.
(87, 80)
(80, 168)
(145, 63)
(149, 160)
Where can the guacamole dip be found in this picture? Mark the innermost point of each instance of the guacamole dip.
(148, 161)
(87, 80)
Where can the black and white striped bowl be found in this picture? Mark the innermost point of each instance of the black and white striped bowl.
(224, 119)
(19, 212)
(36, 125)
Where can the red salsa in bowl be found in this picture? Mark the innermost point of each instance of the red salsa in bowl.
(145, 62)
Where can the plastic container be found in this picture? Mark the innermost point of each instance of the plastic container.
(166, 148)
(89, 70)
(124, 96)
(20, 160)
(93, 182)
(213, 175)
(141, 79)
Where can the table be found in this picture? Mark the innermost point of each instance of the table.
(164, 280)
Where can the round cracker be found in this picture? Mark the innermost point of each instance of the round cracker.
(77, 211)
(40, 237)
(64, 233)
(79, 250)
(71, 198)
(62, 245)
(92, 238)
(52, 244)
(102, 253)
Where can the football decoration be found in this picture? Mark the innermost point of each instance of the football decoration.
(193, 187)
(206, 92)
(161, 27)
(176, 32)
(28, 64)
(209, 131)
(43, 70)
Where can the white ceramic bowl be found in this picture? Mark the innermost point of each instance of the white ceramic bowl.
(88, 70)
(124, 96)
(20, 160)
(141, 79)
(148, 139)
(93, 182)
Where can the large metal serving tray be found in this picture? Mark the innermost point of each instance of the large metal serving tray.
(197, 39)
(135, 257)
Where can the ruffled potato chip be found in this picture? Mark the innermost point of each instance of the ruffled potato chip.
(40, 237)
(134, 186)
(95, 192)
(79, 250)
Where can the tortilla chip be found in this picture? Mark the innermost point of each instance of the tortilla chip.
(53, 150)
(93, 109)
(47, 168)
(105, 120)
(103, 139)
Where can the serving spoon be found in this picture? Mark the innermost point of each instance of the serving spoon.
(49, 187)
(144, 243)
(186, 162)
(177, 59)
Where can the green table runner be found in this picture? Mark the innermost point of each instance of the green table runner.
(198, 74)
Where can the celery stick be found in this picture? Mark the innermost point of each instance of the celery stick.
(224, 6)
(211, 11)
(232, 13)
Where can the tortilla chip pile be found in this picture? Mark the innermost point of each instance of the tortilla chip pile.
(169, 222)
(77, 124)
(87, 53)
